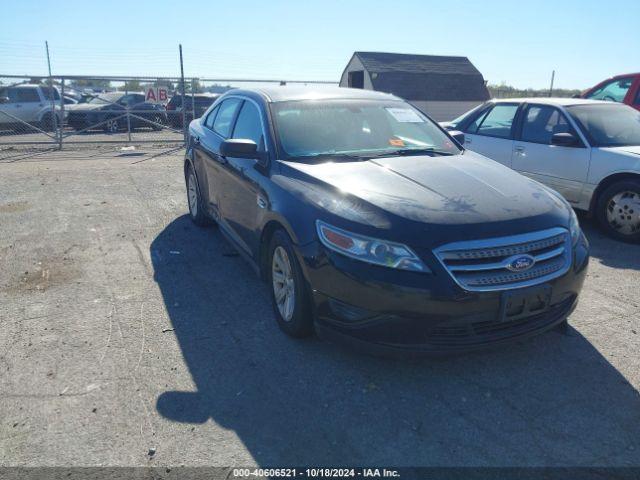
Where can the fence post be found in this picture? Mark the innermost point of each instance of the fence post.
(184, 98)
(193, 99)
(61, 114)
(126, 92)
(54, 115)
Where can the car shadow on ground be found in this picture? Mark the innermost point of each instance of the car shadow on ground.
(553, 400)
(608, 251)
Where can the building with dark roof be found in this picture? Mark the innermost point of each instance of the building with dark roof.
(442, 87)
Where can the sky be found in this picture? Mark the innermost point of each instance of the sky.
(514, 42)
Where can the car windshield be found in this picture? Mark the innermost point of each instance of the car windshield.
(354, 129)
(106, 98)
(611, 125)
(457, 120)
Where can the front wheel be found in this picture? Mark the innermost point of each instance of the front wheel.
(618, 210)
(288, 289)
(158, 122)
(47, 122)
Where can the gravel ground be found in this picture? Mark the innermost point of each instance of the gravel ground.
(125, 328)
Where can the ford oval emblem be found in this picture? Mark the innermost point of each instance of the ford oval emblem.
(520, 263)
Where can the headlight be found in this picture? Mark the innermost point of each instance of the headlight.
(574, 226)
(370, 250)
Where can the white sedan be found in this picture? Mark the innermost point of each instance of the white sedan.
(587, 150)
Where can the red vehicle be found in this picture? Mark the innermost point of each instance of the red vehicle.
(621, 88)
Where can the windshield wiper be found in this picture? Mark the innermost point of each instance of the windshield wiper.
(420, 151)
(346, 157)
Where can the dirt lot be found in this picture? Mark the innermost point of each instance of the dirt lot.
(125, 328)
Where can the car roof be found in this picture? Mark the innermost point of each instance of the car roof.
(286, 93)
(558, 101)
(622, 75)
(203, 94)
(26, 85)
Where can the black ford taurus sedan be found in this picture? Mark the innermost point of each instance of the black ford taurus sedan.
(372, 225)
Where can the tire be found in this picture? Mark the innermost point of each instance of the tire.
(296, 319)
(112, 126)
(618, 210)
(157, 119)
(47, 122)
(194, 199)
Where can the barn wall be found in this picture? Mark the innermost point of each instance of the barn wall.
(355, 64)
(444, 111)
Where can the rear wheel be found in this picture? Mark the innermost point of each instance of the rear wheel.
(111, 126)
(196, 210)
(288, 289)
(618, 210)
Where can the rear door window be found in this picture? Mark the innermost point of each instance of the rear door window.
(498, 122)
(211, 117)
(224, 118)
(541, 122)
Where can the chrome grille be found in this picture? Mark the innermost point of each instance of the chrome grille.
(478, 265)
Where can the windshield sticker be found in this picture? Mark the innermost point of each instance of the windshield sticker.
(405, 115)
(396, 142)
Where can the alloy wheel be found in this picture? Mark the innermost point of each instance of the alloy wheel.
(283, 283)
(623, 212)
(192, 193)
(112, 126)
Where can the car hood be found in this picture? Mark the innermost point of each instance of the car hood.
(425, 193)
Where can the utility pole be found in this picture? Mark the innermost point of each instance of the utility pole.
(184, 98)
(54, 116)
(553, 75)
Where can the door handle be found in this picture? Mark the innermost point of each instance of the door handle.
(18, 105)
(262, 203)
(519, 149)
(196, 140)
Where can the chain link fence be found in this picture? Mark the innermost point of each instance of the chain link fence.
(66, 111)
(71, 112)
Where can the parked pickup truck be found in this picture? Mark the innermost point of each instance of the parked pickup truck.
(28, 104)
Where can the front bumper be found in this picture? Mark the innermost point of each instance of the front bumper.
(390, 311)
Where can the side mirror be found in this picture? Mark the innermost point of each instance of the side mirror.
(458, 136)
(4, 99)
(239, 148)
(564, 140)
